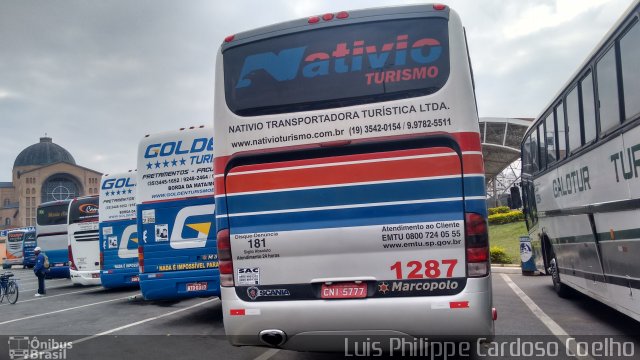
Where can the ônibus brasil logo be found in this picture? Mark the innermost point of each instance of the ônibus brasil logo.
(403, 52)
(25, 347)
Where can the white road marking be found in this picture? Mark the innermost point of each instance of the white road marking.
(145, 321)
(133, 324)
(46, 287)
(553, 326)
(35, 281)
(51, 296)
(62, 310)
(267, 354)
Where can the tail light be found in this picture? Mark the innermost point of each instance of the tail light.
(224, 257)
(477, 243)
(101, 260)
(72, 265)
(327, 17)
(141, 259)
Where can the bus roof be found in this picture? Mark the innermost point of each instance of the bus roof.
(56, 202)
(23, 229)
(85, 197)
(612, 31)
(172, 132)
(354, 16)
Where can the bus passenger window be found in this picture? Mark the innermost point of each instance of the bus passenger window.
(608, 91)
(541, 145)
(630, 58)
(561, 133)
(550, 138)
(573, 120)
(588, 109)
(526, 156)
(534, 152)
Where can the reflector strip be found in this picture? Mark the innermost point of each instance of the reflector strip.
(459, 305)
(237, 312)
(252, 312)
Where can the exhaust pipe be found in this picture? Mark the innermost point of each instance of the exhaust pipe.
(273, 337)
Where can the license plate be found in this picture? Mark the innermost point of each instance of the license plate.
(344, 291)
(135, 279)
(95, 276)
(199, 286)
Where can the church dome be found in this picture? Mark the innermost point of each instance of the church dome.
(43, 153)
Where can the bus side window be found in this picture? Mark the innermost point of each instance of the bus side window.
(573, 119)
(629, 59)
(534, 152)
(526, 156)
(550, 136)
(608, 91)
(561, 133)
(542, 148)
(588, 108)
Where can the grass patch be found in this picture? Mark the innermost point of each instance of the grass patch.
(507, 236)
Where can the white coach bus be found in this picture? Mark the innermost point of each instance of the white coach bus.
(84, 242)
(349, 180)
(580, 179)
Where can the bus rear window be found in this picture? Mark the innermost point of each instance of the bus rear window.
(15, 237)
(83, 210)
(52, 215)
(346, 65)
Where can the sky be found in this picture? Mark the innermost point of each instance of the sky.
(96, 76)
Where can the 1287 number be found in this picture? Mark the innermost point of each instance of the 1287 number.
(431, 269)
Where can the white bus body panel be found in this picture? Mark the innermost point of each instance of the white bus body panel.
(593, 179)
(86, 255)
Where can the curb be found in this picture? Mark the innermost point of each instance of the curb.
(506, 269)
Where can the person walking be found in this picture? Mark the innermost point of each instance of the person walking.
(40, 270)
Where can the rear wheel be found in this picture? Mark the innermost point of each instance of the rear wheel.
(6, 266)
(12, 292)
(561, 289)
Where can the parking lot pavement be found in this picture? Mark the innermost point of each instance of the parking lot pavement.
(106, 323)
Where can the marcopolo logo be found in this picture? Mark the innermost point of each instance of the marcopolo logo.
(254, 292)
(25, 347)
(345, 58)
(179, 147)
(407, 287)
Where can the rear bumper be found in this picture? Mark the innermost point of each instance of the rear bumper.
(13, 261)
(173, 285)
(304, 321)
(119, 279)
(58, 272)
(86, 278)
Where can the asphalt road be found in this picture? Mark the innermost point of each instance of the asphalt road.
(107, 324)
